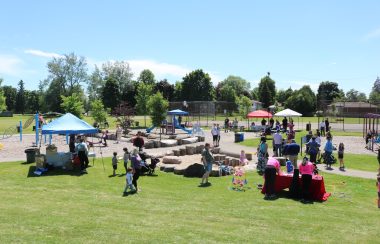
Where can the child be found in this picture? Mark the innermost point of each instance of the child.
(129, 179)
(378, 190)
(114, 163)
(243, 159)
(126, 159)
(340, 155)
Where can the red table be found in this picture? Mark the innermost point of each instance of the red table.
(317, 188)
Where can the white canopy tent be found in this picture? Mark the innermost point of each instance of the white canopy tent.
(289, 113)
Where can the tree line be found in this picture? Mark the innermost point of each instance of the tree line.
(70, 87)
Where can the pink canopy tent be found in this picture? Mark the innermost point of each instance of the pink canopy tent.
(259, 114)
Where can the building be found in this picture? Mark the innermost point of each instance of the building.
(351, 109)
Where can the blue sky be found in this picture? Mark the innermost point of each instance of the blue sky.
(298, 42)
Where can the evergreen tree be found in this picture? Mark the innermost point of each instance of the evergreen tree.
(20, 98)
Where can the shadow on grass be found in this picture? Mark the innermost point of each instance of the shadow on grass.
(53, 172)
(286, 195)
(125, 194)
(26, 163)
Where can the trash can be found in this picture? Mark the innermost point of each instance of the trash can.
(239, 137)
(31, 155)
(308, 127)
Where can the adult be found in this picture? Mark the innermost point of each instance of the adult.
(138, 141)
(180, 120)
(236, 123)
(105, 137)
(263, 122)
(262, 154)
(136, 167)
(277, 143)
(327, 125)
(271, 123)
(306, 169)
(272, 168)
(328, 152)
(218, 135)
(82, 150)
(278, 125)
(208, 160)
(322, 127)
(214, 133)
(119, 131)
(285, 124)
(308, 138)
(313, 149)
(226, 124)
(291, 150)
(72, 143)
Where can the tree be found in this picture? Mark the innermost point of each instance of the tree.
(145, 90)
(177, 96)
(69, 72)
(166, 89)
(355, 96)
(327, 92)
(98, 112)
(302, 101)
(20, 98)
(54, 95)
(110, 94)
(33, 102)
(158, 107)
(374, 96)
(72, 104)
(283, 95)
(197, 86)
(245, 105)
(267, 91)
(3, 105)
(240, 85)
(146, 76)
(10, 94)
(95, 85)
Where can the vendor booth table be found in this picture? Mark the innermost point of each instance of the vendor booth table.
(317, 188)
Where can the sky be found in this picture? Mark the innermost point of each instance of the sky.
(298, 42)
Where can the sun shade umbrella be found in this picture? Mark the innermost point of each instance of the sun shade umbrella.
(259, 114)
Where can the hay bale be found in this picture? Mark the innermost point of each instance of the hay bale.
(194, 170)
(169, 153)
(162, 167)
(190, 150)
(149, 145)
(168, 143)
(216, 150)
(190, 140)
(182, 151)
(215, 172)
(201, 147)
(171, 160)
(222, 157)
(157, 144)
(179, 141)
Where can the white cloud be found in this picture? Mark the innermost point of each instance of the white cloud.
(43, 54)
(299, 84)
(373, 34)
(10, 65)
(159, 69)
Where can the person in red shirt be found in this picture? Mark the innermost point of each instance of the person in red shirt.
(306, 169)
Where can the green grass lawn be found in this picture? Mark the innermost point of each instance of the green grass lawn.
(81, 209)
(360, 161)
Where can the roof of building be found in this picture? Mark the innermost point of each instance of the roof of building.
(353, 105)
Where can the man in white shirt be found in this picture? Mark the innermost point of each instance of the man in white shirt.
(277, 141)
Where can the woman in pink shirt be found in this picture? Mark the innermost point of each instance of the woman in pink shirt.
(306, 169)
(272, 168)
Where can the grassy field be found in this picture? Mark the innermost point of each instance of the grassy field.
(63, 207)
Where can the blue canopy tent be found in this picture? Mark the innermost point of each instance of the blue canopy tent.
(68, 124)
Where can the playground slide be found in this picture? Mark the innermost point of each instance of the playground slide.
(188, 131)
(150, 129)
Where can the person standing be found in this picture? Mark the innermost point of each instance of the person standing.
(277, 141)
(327, 125)
(114, 163)
(313, 149)
(208, 160)
(214, 133)
(82, 150)
(126, 158)
(136, 166)
(291, 150)
(306, 169)
(262, 154)
(328, 152)
(272, 168)
(236, 124)
(218, 134)
(263, 122)
(180, 121)
(226, 124)
(285, 124)
(340, 155)
(271, 123)
(119, 131)
(129, 180)
(322, 127)
(72, 143)
(138, 141)
(378, 190)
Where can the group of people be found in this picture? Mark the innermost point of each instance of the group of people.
(229, 125)
(324, 127)
(215, 132)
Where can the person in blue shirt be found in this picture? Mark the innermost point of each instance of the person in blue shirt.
(328, 152)
(291, 151)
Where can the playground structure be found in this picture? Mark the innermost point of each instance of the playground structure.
(371, 128)
(170, 125)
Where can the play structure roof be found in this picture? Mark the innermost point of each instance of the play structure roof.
(177, 112)
(371, 115)
(288, 113)
(259, 114)
(68, 124)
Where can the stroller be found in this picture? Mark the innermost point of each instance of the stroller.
(326, 159)
(224, 169)
(148, 168)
